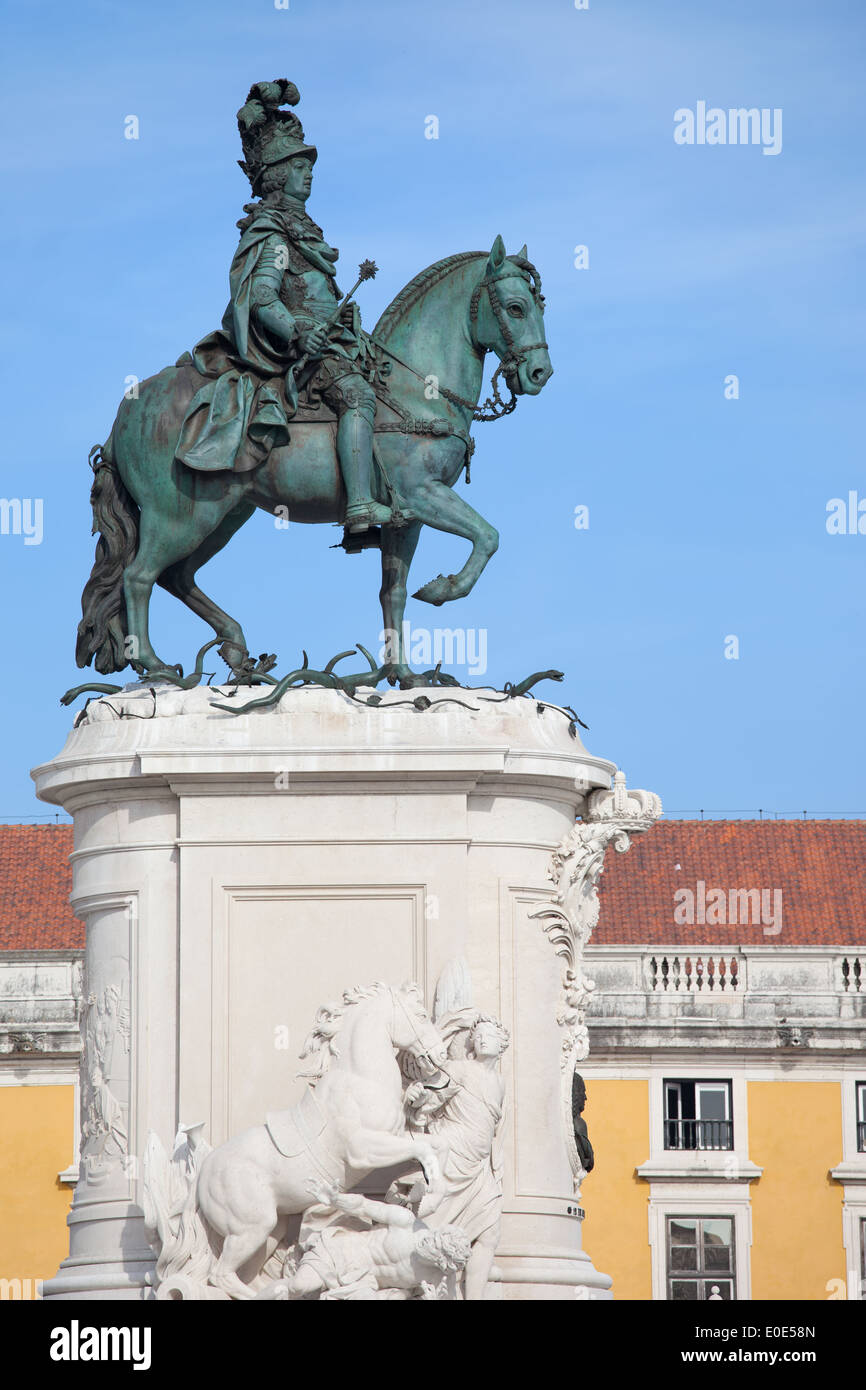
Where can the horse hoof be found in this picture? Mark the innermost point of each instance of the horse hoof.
(154, 674)
(236, 658)
(402, 676)
(438, 591)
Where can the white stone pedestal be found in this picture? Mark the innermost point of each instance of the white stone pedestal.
(235, 871)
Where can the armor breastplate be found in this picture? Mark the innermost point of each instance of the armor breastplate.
(309, 293)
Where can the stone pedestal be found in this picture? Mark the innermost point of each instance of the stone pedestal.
(235, 871)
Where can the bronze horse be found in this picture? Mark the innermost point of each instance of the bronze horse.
(160, 521)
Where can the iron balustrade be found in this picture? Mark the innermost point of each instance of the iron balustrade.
(700, 1134)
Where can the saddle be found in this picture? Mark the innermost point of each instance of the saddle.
(295, 1131)
(300, 1131)
(313, 410)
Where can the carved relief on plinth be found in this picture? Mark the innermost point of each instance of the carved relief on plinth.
(576, 865)
(388, 1086)
(105, 1036)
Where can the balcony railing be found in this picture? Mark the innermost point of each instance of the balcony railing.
(699, 1134)
(704, 972)
(764, 983)
(861, 1136)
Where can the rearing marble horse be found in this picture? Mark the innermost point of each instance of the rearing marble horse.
(351, 1122)
(160, 521)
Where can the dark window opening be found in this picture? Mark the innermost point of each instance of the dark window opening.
(698, 1115)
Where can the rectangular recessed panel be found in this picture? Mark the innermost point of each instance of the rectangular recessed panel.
(288, 955)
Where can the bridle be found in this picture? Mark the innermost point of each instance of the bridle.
(513, 358)
(423, 1051)
(494, 407)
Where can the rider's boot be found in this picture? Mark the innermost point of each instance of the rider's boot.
(355, 451)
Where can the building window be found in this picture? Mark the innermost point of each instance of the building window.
(698, 1115)
(861, 1117)
(700, 1259)
(863, 1257)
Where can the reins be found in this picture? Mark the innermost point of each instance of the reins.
(425, 1051)
(493, 408)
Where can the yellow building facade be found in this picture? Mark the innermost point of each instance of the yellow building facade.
(37, 1121)
(40, 1045)
(788, 1219)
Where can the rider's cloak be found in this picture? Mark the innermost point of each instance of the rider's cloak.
(242, 411)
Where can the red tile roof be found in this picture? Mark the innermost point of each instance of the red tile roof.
(35, 881)
(819, 867)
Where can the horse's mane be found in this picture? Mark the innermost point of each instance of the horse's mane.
(329, 1020)
(418, 287)
(425, 279)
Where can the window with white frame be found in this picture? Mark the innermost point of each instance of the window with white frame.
(698, 1115)
(861, 1117)
(700, 1259)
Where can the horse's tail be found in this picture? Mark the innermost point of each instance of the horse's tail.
(103, 626)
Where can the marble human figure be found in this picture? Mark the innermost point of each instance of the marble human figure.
(465, 1116)
(355, 1248)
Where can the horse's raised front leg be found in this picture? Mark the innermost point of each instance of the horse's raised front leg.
(398, 547)
(372, 1148)
(438, 506)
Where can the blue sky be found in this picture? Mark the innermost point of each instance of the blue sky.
(707, 515)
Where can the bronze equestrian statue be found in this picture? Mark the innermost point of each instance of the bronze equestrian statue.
(291, 407)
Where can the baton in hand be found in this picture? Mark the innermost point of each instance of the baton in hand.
(366, 271)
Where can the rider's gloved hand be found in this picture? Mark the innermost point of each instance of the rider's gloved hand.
(313, 340)
(350, 317)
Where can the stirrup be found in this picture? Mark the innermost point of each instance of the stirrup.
(364, 515)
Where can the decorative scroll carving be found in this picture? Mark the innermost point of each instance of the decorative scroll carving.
(610, 819)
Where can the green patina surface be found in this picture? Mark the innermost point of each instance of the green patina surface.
(292, 407)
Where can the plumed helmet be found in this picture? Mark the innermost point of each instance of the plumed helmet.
(268, 133)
